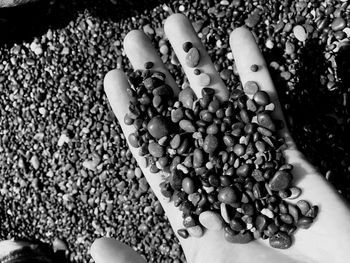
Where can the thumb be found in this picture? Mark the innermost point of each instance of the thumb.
(108, 250)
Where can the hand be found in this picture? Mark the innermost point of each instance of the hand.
(327, 240)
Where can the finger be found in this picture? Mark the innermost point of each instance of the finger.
(115, 84)
(139, 50)
(247, 53)
(179, 30)
(108, 250)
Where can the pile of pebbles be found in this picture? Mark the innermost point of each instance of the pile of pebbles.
(63, 152)
(222, 161)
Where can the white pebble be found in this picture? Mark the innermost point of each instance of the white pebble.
(224, 214)
(181, 8)
(269, 44)
(300, 33)
(204, 79)
(211, 220)
(209, 165)
(195, 231)
(208, 189)
(271, 106)
(296, 192)
(62, 140)
(249, 226)
(229, 56)
(267, 212)
(182, 168)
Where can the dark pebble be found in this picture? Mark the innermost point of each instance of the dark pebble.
(188, 185)
(210, 143)
(280, 240)
(304, 222)
(156, 150)
(158, 127)
(187, 46)
(192, 57)
(227, 195)
(149, 65)
(280, 181)
(183, 233)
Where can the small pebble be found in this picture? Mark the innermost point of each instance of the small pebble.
(192, 58)
(158, 127)
(304, 206)
(227, 195)
(338, 24)
(187, 46)
(204, 79)
(300, 33)
(148, 65)
(156, 150)
(295, 192)
(224, 214)
(240, 238)
(280, 181)
(280, 240)
(254, 67)
(250, 87)
(304, 222)
(183, 233)
(211, 220)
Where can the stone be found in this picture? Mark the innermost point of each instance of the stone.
(227, 195)
(280, 181)
(280, 240)
(338, 24)
(300, 33)
(250, 87)
(156, 150)
(240, 238)
(211, 220)
(187, 97)
(192, 57)
(158, 127)
(204, 79)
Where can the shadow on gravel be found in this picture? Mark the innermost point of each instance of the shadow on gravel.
(22, 23)
(318, 113)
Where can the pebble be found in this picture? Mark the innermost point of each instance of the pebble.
(158, 127)
(261, 223)
(187, 46)
(187, 97)
(59, 245)
(187, 126)
(250, 87)
(261, 98)
(210, 144)
(280, 181)
(188, 185)
(156, 150)
(211, 220)
(204, 80)
(253, 18)
(303, 206)
(265, 120)
(224, 214)
(338, 24)
(227, 195)
(183, 233)
(192, 57)
(280, 240)
(198, 158)
(300, 33)
(195, 231)
(295, 192)
(304, 222)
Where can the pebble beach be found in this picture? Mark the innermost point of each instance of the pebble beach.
(67, 175)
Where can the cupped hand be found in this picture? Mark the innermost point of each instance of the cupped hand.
(327, 240)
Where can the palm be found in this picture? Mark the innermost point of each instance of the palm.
(325, 241)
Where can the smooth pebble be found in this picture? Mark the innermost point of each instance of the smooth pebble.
(211, 220)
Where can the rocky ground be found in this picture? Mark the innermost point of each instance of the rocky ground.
(66, 172)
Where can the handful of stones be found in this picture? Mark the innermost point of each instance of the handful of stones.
(223, 161)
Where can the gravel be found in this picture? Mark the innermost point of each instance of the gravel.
(66, 172)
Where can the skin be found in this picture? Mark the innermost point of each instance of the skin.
(327, 240)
